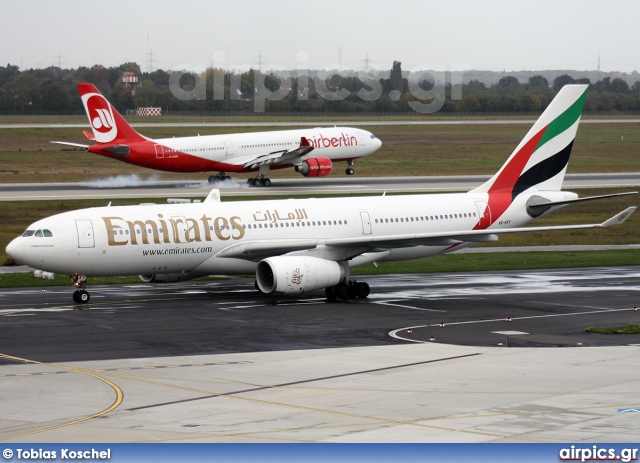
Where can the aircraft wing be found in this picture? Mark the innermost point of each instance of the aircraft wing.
(344, 248)
(281, 156)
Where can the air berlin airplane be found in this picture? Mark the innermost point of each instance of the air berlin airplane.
(300, 245)
(311, 152)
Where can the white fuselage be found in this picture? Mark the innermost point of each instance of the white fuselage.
(208, 237)
(335, 143)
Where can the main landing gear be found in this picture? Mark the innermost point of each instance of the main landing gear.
(350, 170)
(348, 290)
(259, 181)
(81, 295)
(220, 177)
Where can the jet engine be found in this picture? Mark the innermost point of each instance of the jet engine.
(315, 167)
(171, 277)
(296, 274)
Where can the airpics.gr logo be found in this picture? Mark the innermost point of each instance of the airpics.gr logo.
(101, 117)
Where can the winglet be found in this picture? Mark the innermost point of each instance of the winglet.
(304, 142)
(618, 218)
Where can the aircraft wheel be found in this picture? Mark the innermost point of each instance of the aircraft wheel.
(342, 291)
(266, 182)
(350, 171)
(362, 290)
(83, 296)
(251, 182)
(330, 292)
(76, 298)
(212, 179)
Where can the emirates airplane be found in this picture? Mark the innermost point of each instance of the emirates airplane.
(301, 245)
(311, 152)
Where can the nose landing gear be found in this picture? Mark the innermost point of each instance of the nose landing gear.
(350, 170)
(81, 295)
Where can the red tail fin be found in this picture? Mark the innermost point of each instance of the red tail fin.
(107, 124)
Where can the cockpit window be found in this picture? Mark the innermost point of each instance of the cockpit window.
(39, 233)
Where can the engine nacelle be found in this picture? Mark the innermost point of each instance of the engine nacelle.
(171, 277)
(296, 274)
(315, 167)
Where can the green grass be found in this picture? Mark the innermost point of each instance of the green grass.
(629, 329)
(27, 156)
(27, 280)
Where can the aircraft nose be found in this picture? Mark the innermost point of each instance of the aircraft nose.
(15, 249)
(377, 143)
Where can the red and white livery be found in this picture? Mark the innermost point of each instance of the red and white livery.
(312, 152)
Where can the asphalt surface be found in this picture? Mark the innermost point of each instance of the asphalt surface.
(131, 186)
(548, 308)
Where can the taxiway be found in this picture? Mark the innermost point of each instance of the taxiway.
(464, 357)
(134, 187)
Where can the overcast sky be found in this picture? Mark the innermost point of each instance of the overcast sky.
(492, 35)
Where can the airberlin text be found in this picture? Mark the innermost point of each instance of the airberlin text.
(324, 142)
(172, 230)
(63, 454)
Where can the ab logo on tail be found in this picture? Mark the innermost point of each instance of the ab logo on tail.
(101, 117)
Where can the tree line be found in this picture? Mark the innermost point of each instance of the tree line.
(53, 91)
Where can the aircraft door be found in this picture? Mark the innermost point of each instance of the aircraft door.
(228, 148)
(366, 223)
(484, 214)
(180, 229)
(159, 151)
(85, 234)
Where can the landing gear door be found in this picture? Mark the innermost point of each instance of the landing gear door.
(85, 234)
(366, 223)
(180, 228)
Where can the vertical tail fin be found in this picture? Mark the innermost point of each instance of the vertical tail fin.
(542, 156)
(107, 124)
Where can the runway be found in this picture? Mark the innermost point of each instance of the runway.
(463, 357)
(132, 186)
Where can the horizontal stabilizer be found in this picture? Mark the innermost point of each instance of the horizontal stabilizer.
(618, 218)
(70, 144)
(548, 204)
(89, 135)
